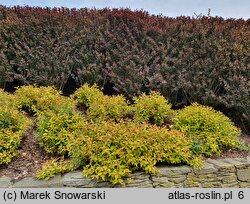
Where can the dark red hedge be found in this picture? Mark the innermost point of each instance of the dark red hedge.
(205, 59)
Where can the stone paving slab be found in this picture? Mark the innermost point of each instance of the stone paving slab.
(238, 163)
(243, 174)
(31, 182)
(222, 165)
(76, 179)
(173, 170)
(207, 169)
(5, 182)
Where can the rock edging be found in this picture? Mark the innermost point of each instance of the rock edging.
(221, 173)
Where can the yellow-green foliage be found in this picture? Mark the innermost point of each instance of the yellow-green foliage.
(6, 100)
(210, 130)
(152, 108)
(86, 94)
(13, 125)
(108, 108)
(41, 99)
(108, 147)
(115, 150)
(56, 130)
(56, 114)
(100, 107)
(53, 167)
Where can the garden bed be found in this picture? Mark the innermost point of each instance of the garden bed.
(108, 138)
(32, 157)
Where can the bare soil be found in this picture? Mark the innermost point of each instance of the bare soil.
(31, 156)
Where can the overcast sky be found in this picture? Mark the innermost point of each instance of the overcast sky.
(172, 8)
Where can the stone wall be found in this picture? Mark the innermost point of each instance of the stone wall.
(215, 174)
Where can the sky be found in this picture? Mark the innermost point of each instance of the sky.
(171, 8)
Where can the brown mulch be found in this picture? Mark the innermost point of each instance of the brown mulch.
(32, 157)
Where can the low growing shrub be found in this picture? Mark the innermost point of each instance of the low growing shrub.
(106, 108)
(53, 167)
(6, 100)
(13, 124)
(41, 99)
(56, 130)
(210, 130)
(114, 150)
(153, 108)
(86, 94)
(9, 142)
(99, 106)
